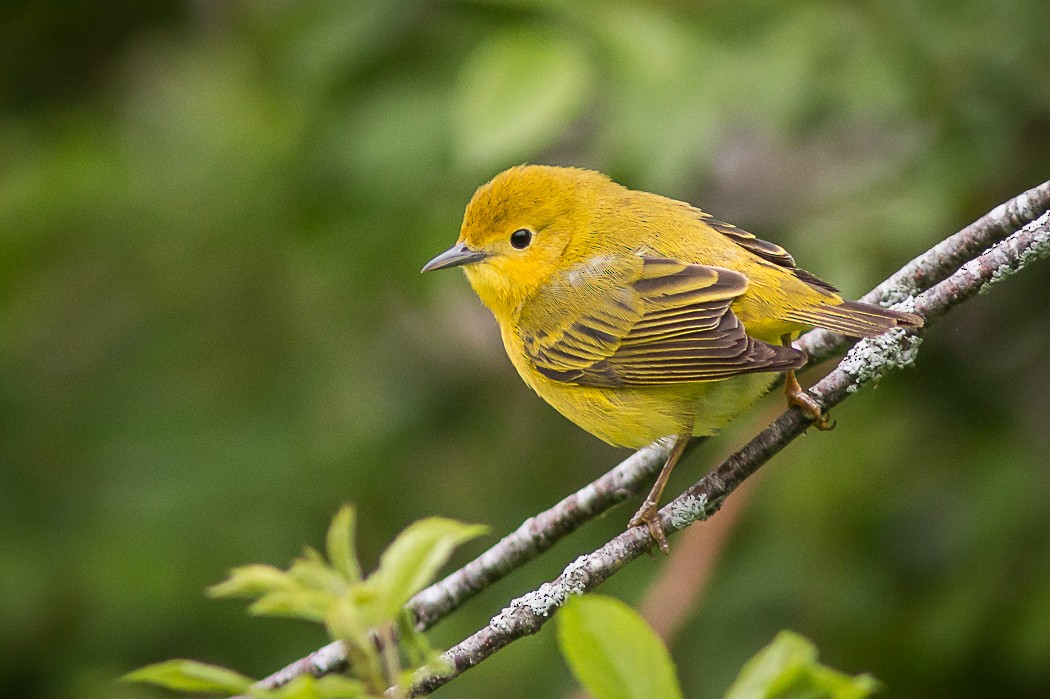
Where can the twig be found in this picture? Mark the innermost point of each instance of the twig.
(391, 660)
(537, 534)
(937, 263)
(868, 361)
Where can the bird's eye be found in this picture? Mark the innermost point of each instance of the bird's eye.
(520, 238)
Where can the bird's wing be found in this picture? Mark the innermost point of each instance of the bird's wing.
(767, 251)
(847, 317)
(635, 321)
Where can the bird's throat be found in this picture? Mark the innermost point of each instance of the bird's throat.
(499, 293)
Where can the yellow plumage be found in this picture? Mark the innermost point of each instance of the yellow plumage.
(637, 316)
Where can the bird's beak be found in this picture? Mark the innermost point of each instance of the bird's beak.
(458, 254)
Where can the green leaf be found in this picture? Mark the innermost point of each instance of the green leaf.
(299, 602)
(413, 558)
(420, 657)
(309, 687)
(788, 669)
(311, 572)
(252, 581)
(613, 652)
(340, 544)
(417, 649)
(191, 676)
(343, 622)
(340, 687)
(518, 92)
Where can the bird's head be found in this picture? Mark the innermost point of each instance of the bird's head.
(519, 229)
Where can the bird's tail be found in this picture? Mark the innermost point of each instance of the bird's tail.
(854, 318)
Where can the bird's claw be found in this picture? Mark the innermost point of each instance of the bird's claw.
(650, 517)
(808, 405)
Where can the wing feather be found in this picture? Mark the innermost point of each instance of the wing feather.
(635, 321)
(767, 251)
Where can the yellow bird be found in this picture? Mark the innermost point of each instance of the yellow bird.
(637, 316)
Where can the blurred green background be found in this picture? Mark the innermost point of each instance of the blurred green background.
(212, 217)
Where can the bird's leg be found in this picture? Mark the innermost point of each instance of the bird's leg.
(799, 398)
(649, 513)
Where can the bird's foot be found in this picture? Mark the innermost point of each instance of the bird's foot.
(650, 517)
(809, 405)
(802, 400)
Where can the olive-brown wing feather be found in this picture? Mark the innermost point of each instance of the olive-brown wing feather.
(767, 251)
(656, 321)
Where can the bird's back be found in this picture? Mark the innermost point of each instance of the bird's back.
(645, 223)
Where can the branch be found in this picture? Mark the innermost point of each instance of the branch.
(534, 536)
(868, 361)
(937, 263)
(679, 586)
(539, 533)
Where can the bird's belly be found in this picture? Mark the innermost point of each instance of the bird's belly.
(635, 416)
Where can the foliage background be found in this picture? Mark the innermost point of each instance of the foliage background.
(213, 330)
